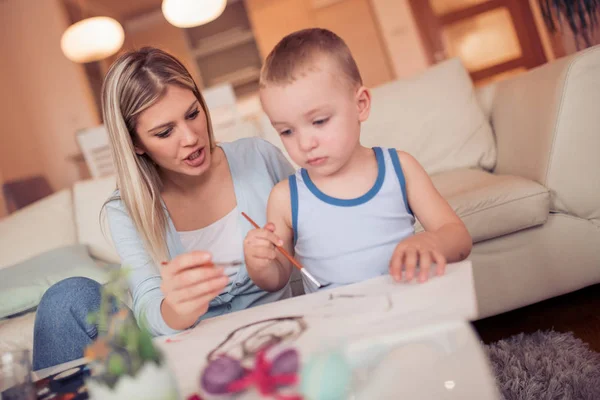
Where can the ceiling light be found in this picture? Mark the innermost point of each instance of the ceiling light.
(190, 13)
(92, 39)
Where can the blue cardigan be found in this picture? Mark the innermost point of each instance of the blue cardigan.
(256, 166)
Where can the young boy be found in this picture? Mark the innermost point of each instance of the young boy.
(348, 213)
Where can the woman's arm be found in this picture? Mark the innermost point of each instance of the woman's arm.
(144, 277)
(171, 299)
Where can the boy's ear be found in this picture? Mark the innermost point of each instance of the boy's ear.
(363, 102)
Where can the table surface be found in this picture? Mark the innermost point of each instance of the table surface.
(408, 340)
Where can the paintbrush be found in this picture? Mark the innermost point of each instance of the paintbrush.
(235, 263)
(287, 255)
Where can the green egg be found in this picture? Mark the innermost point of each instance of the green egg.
(326, 376)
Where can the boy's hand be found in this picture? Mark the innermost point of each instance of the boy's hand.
(421, 249)
(259, 247)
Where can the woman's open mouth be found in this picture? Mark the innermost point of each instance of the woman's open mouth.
(196, 158)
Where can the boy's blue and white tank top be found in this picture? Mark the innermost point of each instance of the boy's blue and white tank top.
(344, 241)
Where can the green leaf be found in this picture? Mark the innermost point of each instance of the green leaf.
(147, 350)
(116, 364)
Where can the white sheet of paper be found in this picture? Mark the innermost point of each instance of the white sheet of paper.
(329, 318)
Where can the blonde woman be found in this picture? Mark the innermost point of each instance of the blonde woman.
(176, 214)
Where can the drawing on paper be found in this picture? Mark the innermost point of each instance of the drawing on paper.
(244, 342)
(340, 305)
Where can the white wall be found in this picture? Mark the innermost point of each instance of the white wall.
(401, 36)
(46, 97)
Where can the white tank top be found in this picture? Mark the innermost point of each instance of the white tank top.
(342, 241)
(223, 238)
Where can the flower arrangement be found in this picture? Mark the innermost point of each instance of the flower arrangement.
(124, 361)
(580, 15)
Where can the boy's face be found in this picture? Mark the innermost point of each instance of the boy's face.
(318, 117)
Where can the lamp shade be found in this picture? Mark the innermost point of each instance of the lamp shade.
(92, 39)
(189, 13)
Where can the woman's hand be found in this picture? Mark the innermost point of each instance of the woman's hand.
(422, 249)
(189, 282)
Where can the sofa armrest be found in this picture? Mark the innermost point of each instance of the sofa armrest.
(547, 127)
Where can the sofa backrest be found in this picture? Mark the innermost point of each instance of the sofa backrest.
(44, 225)
(434, 116)
(485, 98)
(92, 228)
(547, 128)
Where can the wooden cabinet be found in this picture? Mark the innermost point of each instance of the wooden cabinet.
(352, 20)
(233, 47)
(401, 36)
(271, 20)
(225, 50)
(221, 51)
(355, 22)
(152, 29)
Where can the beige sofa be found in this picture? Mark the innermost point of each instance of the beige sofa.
(529, 192)
(546, 186)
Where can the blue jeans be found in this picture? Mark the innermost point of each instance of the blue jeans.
(61, 332)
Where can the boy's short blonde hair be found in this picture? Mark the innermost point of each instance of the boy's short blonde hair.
(299, 51)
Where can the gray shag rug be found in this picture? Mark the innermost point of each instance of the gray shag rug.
(545, 366)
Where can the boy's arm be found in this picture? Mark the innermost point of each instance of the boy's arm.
(445, 228)
(273, 274)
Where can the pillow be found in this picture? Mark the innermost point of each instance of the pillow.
(435, 117)
(22, 285)
(88, 198)
(46, 224)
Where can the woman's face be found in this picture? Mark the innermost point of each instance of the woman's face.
(173, 132)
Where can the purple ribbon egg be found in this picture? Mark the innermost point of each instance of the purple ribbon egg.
(286, 362)
(220, 373)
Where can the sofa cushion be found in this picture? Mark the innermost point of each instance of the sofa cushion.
(435, 116)
(92, 229)
(22, 285)
(17, 333)
(44, 225)
(493, 205)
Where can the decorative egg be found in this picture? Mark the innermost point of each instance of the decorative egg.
(326, 376)
(286, 362)
(220, 373)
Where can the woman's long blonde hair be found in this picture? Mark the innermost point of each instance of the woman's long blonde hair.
(134, 82)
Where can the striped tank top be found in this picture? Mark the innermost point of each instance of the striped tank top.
(344, 241)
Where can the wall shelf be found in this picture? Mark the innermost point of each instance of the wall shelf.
(225, 50)
(239, 77)
(223, 41)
